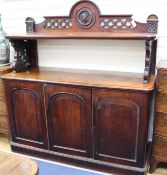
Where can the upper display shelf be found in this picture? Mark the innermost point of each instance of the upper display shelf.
(86, 22)
(85, 35)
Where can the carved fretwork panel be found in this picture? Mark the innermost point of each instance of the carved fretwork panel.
(86, 17)
(118, 22)
(58, 24)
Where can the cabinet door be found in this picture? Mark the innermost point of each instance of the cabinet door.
(26, 113)
(69, 119)
(120, 126)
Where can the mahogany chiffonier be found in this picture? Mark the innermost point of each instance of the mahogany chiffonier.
(3, 113)
(93, 119)
(159, 149)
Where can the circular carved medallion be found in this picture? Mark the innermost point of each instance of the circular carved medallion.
(85, 18)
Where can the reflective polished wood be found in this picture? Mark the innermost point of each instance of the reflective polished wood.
(89, 78)
(94, 119)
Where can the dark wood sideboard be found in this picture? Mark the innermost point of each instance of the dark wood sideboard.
(93, 119)
(159, 146)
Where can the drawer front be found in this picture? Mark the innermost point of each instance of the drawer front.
(161, 123)
(3, 122)
(160, 146)
(3, 110)
(161, 102)
(162, 82)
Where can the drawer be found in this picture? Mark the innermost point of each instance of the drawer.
(161, 123)
(162, 82)
(3, 110)
(3, 122)
(160, 146)
(161, 102)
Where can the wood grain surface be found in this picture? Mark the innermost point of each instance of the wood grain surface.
(84, 35)
(3, 111)
(106, 79)
(11, 164)
(159, 147)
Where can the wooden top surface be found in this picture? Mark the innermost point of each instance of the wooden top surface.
(84, 35)
(11, 164)
(5, 69)
(103, 79)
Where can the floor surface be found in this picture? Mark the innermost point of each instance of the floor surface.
(4, 145)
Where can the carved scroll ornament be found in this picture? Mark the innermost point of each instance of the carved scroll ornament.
(21, 59)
